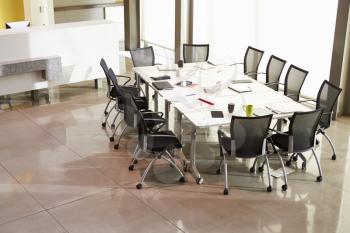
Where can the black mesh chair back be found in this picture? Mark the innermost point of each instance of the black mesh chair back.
(130, 117)
(143, 56)
(273, 71)
(326, 99)
(249, 134)
(195, 52)
(302, 127)
(104, 66)
(141, 125)
(294, 81)
(252, 60)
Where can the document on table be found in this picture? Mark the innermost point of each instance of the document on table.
(240, 88)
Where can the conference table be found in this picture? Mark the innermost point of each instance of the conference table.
(200, 88)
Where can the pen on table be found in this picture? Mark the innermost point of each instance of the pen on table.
(205, 101)
(190, 94)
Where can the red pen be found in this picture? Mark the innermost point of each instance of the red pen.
(205, 101)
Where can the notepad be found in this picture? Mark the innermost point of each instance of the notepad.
(217, 114)
(240, 88)
(169, 67)
(162, 85)
(163, 77)
(241, 81)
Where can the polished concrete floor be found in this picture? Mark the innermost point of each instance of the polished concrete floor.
(60, 173)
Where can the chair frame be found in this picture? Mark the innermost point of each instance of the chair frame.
(293, 152)
(223, 161)
(268, 83)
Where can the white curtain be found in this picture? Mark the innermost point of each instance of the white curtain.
(298, 31)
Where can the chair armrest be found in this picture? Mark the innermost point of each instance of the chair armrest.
(308, 100)
(254, 73)
(272, 83)
(150, 113)
(222, 133)
(239, 63)
(127, 77)
(278, 132)
(210, 63)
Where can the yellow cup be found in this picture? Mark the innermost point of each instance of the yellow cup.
(249, 110)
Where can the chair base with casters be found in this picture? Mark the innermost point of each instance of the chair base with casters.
(250, 146)
(165, 155)
(281, 141)
(323, 132)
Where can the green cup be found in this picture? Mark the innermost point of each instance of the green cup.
(249, 110)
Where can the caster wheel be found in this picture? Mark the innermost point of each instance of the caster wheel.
(334, 157)
(269, 189)
(319, 178)
(182, 179)
(131, 167)
(185, 168)
(284, 187)
(116, 146)
(288, 163)
(105, 112)
(225, 191)
(295, 158)
(252, 169)
(111, 139)
(139, 186)
(303, 166)
(135, 161)
(103, 124)
(218, 172)
(112, 126)
(261, 169)
(199, 180)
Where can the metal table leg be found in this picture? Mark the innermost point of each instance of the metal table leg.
(167, 109)
(193, 168)
(156, 102)
(147, 91)
(178, 125)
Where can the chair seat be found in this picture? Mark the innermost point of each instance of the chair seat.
(159, 143)
(281, 141)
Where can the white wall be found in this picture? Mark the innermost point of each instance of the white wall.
(39, 12)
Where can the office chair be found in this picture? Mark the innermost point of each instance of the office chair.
(252, 59)
(160, 144)
(154, 122)
(111, 92)
(131, 90)
(294, 81)
(300, 137)
(326, 98)
(195, 53)
(143, 56)
(247, 140)
(273, 73)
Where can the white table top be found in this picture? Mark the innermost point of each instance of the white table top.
(211, 83)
